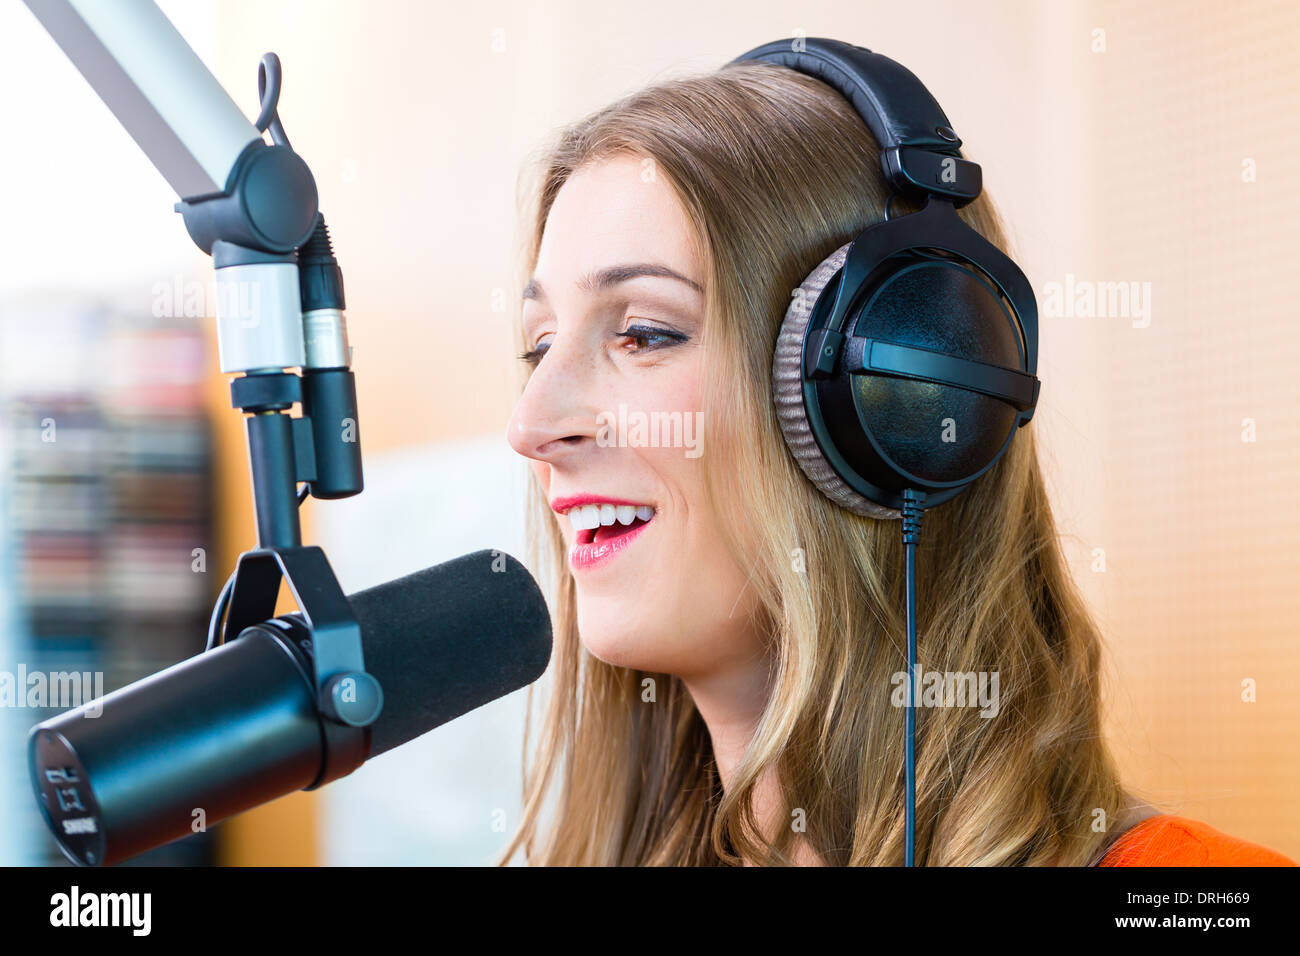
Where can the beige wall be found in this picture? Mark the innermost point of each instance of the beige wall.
(1122, 165)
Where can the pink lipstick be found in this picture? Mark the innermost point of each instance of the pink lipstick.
(602, 527)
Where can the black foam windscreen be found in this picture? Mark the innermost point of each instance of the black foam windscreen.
(448, 639)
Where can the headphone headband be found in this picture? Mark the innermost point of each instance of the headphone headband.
(920, 151)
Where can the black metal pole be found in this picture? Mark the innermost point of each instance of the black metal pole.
(270, 456)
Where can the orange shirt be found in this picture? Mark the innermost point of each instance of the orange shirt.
(1177, 841)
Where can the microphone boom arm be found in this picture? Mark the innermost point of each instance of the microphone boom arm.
(254, 208)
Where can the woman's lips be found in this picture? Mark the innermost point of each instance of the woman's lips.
(594, 548)
(602, 526)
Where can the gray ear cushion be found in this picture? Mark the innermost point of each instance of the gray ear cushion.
(787, 394)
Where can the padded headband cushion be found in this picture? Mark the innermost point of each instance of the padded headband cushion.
(787, 393)
(896, 106)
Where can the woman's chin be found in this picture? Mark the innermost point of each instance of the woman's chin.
(618, 635)
(612, 641)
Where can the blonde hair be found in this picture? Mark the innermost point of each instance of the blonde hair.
(775, 171)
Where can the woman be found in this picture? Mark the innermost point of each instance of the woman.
(726, 637)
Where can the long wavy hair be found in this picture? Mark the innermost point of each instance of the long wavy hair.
(775, 171)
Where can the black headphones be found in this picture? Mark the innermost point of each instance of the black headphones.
(907, 359)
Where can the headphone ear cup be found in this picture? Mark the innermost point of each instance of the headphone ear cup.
(787, 393)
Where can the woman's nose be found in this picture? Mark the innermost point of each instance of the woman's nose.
(556, 416)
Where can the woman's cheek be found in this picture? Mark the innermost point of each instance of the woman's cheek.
(542, 472)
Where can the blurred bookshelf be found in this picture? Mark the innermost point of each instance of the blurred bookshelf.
(107, 512)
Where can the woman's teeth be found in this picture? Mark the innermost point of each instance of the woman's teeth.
(587, 517)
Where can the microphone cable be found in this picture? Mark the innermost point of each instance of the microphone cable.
(223, 599)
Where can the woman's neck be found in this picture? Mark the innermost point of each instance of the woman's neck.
(731, 704)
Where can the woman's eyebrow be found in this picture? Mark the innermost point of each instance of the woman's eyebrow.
(603, 279)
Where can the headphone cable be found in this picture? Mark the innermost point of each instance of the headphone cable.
(913, 509)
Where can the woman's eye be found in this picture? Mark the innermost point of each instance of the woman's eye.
(534, 355)
(635, 338)
(644, 338)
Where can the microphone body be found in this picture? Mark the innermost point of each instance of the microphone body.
(238, 726)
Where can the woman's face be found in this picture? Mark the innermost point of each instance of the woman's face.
(614, 319)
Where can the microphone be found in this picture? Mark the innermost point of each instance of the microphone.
(239, 725)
